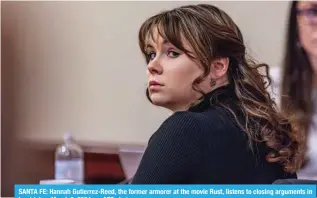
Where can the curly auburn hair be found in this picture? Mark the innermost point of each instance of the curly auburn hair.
(211, 33)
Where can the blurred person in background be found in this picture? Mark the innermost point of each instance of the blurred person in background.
(225, 128)
(299, 78)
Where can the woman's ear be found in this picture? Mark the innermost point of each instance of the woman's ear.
(219, 68)
(217, 75)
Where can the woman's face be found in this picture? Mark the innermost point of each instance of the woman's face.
(171, 74)
(307, 27)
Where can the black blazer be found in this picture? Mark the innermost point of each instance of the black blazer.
(204, 145)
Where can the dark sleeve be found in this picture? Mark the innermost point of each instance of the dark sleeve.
(173, 152)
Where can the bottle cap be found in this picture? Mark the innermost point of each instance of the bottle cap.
(68, 137)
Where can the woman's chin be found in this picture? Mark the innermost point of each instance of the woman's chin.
(158, 100)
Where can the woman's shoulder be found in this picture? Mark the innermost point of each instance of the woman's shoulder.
(181, 125)
(199, 125)
(187, 120)
(184, 120)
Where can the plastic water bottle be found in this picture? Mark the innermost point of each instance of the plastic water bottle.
(69, 161)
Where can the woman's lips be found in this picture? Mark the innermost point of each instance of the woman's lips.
(154, 85)
(153, 82)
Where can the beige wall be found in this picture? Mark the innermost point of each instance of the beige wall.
(77, 66)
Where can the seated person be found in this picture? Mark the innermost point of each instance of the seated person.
(225, 128)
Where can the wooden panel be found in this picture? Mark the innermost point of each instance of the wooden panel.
(103, 168)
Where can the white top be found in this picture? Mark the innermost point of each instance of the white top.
(130, 159)
(310, 170)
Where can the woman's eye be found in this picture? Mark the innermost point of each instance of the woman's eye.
(151, 56)
(173, 54)
(314, 12)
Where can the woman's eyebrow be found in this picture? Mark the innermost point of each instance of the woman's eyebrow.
(163, 42)
(148, 46)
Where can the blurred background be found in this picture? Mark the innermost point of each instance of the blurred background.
(76, 67)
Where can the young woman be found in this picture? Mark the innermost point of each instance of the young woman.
(299, 79)
(225, 128)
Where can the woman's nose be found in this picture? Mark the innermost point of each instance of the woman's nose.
(155, 67)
